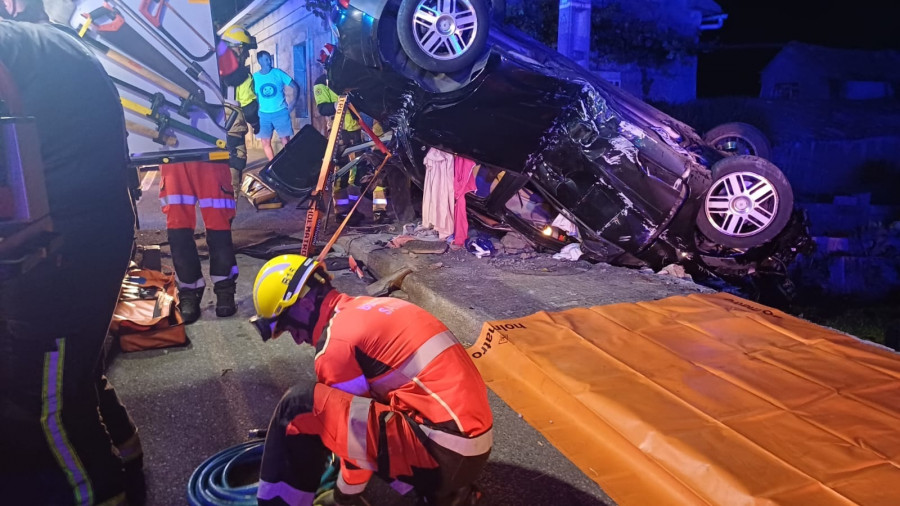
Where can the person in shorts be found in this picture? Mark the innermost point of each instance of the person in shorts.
(274, 110)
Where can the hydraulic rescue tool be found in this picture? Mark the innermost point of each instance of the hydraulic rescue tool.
(156, 21)
(109, 24)
(188, 99)
(193, 68)
(164, 121)
(320, 199)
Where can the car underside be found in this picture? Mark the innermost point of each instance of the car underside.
(556, 142)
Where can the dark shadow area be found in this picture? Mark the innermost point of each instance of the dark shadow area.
(502, 485)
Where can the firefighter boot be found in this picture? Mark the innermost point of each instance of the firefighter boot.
(466, 496)
(189, 303)
(224, 291)
(335, 497)
(380, 218)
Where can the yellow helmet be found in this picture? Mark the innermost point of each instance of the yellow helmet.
(236, 35)
(283, 280)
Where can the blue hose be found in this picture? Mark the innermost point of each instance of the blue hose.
(209, 483)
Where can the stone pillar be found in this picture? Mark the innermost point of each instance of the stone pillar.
(574, 38)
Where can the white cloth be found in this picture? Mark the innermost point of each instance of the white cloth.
(569, 252)
(437, 200)
(562, 223)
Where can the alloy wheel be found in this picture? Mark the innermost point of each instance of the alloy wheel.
(741, 204)
(445, 29)
(736, 146)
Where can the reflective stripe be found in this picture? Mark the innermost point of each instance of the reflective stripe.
(382, 202)
(187, 200)
(467, 447)
(342, 202)
(356, 386)
(357, 430)
(327, 332)
(200, 283)
(442, 403)
(130, 449)
(232, 275)
(293, 497)
(116, 500)
(217, 203)
(414, 364)
(276, 269)
(348, 488)
(54, 432)
(400, 487)
(354, 197)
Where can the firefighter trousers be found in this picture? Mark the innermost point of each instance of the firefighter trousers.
(369, 437)
(236, 143)
(347, 188)
(61, 420)
(183, 186)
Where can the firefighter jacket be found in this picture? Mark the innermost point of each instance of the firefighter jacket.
(325, 104)
(400, 355)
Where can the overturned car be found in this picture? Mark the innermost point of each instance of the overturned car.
(641, 188)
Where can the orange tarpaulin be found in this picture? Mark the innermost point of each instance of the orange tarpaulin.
(704, 399)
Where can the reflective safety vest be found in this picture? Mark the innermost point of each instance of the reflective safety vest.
(324, 95)
(400, 355)
(243, 93)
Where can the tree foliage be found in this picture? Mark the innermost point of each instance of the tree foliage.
(319, 8)
(616, 35)
(537, 18)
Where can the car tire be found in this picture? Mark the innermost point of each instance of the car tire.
(739, 139)
(440, 59)
(748, 204)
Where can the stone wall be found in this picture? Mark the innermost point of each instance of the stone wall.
(835, 167)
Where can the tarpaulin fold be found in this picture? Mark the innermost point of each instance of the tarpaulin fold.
(704, 399)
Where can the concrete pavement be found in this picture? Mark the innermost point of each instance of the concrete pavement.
(194, 401)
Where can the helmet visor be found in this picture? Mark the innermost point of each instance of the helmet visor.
(268, 328)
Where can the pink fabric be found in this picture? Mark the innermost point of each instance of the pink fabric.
(463, 183)
(437, 201)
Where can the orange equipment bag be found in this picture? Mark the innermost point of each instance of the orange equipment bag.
(147, 316)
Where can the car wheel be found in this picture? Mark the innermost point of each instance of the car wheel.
(749, 202)
(443, 35)
(739, 139)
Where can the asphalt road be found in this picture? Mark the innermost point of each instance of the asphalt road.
(194, 401)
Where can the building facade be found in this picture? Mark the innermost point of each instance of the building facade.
(293, 36)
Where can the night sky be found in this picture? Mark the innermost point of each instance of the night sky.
(755, 29)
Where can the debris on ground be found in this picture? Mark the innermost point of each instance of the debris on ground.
(515, 243)
(417, 230)
(570, 252)
(337, 263)
(539, 265)
(426, 247)
(480, 246)
(389, 283)
(359, 268)
(400, 241)
(675, 270)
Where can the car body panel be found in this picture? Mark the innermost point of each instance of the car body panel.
(630, 177)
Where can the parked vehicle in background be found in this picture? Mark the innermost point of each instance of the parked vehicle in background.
(553, 140)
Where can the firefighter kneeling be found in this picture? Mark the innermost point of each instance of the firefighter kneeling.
(395, 395)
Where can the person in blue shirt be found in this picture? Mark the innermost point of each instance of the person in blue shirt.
(274, 111)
